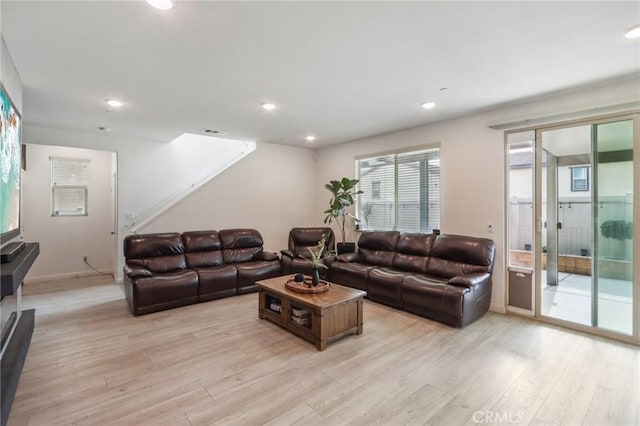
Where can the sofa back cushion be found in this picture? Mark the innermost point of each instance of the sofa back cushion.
(300, 239)
(412, 252)
(378, 247)
(155, 252)
(203, 249)
(240, 245)
(454, 255)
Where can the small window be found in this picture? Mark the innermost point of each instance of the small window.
(579, 179)
(69, 186)
(375, 189)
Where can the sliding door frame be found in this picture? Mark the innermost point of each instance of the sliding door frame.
(634, 116)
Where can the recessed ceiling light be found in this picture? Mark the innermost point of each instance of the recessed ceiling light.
(113, 103)
(428, 105)
(162, 4)
(310, 138)
(633, 32)
(268, 106)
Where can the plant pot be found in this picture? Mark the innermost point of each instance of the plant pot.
(315, 278)
(344, 248)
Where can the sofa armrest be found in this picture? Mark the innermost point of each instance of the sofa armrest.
(470, 280)
(136, 271)
(349, 257)
(265, 255)
(288, 253)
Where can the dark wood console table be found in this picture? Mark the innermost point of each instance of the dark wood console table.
(15, 351)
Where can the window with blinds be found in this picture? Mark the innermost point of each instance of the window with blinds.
(401, 191)
(69, 186)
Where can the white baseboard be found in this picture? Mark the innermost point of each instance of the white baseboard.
(497, 307)
(65, 276)
(520, 311)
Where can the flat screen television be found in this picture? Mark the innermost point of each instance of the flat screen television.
(10, 135)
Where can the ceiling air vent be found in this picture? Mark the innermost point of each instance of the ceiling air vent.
(214, 132)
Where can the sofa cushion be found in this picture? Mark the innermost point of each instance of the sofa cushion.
(351, 274)
(384, 286)
(165, 291)
(433, 296)
(378, 248)
(454, 255)
(412, 252)
(240, 245)
(250, 272)
(159, 253)
(203, 249)
(300, 239)
(151, 245)
(217, 282)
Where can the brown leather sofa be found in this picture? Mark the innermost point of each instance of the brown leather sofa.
(295, 258)
(164, 271)
(446, 278)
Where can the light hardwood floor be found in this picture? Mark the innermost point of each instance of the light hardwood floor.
(91, 362)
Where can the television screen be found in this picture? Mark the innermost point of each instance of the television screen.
(11, 159)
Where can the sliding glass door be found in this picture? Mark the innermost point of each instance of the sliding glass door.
(585, 181)
(613, 165)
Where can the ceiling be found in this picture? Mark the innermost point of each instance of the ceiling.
(337, 70)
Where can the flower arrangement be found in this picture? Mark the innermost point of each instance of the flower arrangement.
(318, 254)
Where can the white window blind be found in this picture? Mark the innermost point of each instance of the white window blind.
(69, 181)
(407, 197)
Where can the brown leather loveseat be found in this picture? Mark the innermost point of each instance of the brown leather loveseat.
(164, 271)
(446, 278)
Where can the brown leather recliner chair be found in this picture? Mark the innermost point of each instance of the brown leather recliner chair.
(295, 258)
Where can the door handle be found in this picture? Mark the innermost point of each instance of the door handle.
(559, 225)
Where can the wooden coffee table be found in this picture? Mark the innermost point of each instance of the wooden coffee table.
(320, 318)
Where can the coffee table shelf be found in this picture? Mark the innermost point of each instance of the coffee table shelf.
(332, 315)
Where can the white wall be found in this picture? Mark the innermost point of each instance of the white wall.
(150, 173)
(272, 190)
(473, 161)
(64, 240)
(471, 192)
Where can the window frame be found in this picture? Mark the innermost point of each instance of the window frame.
(574, 188)
(432, 220)
(60, 187)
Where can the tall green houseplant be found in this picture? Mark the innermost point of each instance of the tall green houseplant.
(343, 194)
